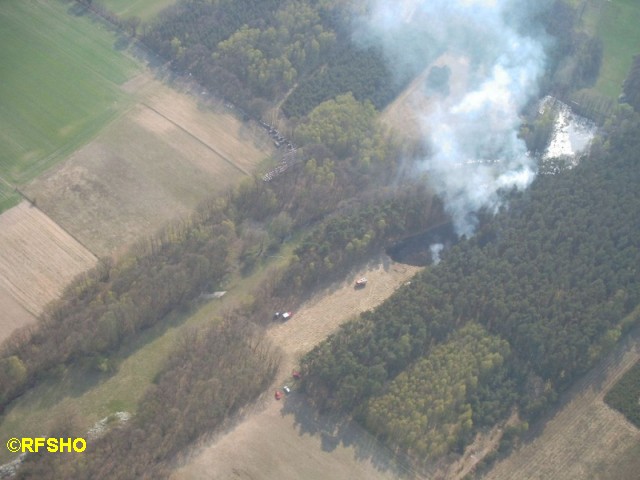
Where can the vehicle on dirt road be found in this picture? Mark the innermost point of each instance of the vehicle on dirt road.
(361, 282)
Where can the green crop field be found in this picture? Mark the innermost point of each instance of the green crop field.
(60, 84)
(619, 29)
(145, 9)
(8, 197)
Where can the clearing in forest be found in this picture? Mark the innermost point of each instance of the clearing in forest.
(405, 114)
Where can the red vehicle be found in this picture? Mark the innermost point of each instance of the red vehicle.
(296, 374)
(278, 395)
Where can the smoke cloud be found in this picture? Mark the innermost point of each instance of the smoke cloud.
(496, 53)
(435, 249)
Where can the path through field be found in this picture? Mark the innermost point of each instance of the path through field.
(287, 439)
(585, 439)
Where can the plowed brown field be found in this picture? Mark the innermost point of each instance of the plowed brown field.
(37, 260)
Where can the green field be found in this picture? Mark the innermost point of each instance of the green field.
(60, 84)
(145, 9)
(8, 197)
(619, 28)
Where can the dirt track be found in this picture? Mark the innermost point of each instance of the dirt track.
(286, 439)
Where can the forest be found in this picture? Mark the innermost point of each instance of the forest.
(554, 276)
(505, 322)
(257, 53)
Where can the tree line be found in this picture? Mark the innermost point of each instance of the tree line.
(210, 375)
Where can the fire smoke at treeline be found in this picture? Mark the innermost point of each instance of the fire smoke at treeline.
(472, 133)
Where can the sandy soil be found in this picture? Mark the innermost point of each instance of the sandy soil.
(584, 439)
(287, 439)
(153, 164)
(220, 130)
(37, 260)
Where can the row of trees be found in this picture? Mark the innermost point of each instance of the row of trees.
(356, 233)
(114, 302)
(211, 374)
(554, 276)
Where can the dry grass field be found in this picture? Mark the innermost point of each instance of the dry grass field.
(37, 259)
(584, 439)
(154, 163)
(287, 439)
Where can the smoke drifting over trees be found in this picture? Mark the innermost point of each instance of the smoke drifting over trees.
(471, 134)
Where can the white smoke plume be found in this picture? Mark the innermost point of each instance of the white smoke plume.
(435, 249)
(472, 133)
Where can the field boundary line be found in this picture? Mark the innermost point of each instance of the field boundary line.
(34, 205)
(202, 142)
